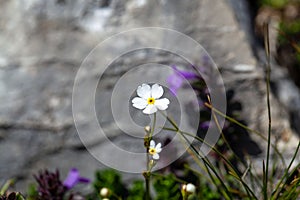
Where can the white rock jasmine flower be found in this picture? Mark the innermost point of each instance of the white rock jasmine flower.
(148, 99)
(154, 150)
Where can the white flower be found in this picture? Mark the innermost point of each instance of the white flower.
(188, 188)
(104, 192)
(148, 99)
(154, 150)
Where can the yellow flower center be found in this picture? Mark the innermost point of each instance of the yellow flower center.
(150, 100)
(152, 151)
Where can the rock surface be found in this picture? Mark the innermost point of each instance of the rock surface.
(44, 43)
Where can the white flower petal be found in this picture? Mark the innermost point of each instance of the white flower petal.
(157, 91)
(162, 104)
(144, 91)
(158, 148)
(152, 144)
(139, 103)
(150, 109)
(190, 188)
(155, 156)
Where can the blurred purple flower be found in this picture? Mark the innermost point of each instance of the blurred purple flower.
(176, 79)
(204, 125)
(74, 178)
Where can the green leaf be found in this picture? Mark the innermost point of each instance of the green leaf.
(167, 188)
(112, 180)
(137, 191)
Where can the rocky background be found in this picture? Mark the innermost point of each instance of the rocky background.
(43, 43)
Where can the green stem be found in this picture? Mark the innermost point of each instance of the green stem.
(5, 187)
(175, 178)
(240, 178)
(208, 166)
(116, 196)
(153, 127)
(277, 190)
(207, 162)
(184, 197)
(148, 172)
(267, 48)
(246, 128)
(147, 179)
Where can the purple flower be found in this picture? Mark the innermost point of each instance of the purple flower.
(175, 80)
(204, 125)
(49, 185)
(74, 178)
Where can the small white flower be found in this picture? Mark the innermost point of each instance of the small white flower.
(148, 99)
(104, 192)
(154, 150)
(190, 188)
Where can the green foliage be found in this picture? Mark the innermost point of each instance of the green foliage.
(274, 3)
(137, 191)
(112, 180)
(167, 188)
(19, 196)
(32, 192)
(291, 28)
(207, 193)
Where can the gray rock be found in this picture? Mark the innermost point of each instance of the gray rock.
(44, 43)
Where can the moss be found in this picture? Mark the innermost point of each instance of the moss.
(274, 3)
(291, 27)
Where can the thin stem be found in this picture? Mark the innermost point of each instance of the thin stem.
(147, 179)
(153, 127)
(240, 178)
(147, 174)
(198, 173)
(206, 162)
(175, 178)
(116, 196)
(185, 197)
(247, 189)
(246, 128)
(285, 173)
(226, 161)
(267, 48)
(6, 185)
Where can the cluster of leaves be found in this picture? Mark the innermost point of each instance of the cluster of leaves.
(164, 187)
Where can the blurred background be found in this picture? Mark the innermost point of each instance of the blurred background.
(44, 42)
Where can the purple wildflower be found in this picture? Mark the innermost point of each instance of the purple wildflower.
(175, 80)
(74, 178)
(49, 186)
(204, 125)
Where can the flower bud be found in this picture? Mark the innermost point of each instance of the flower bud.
(188, 189)
(147, 129)
(104, 192)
